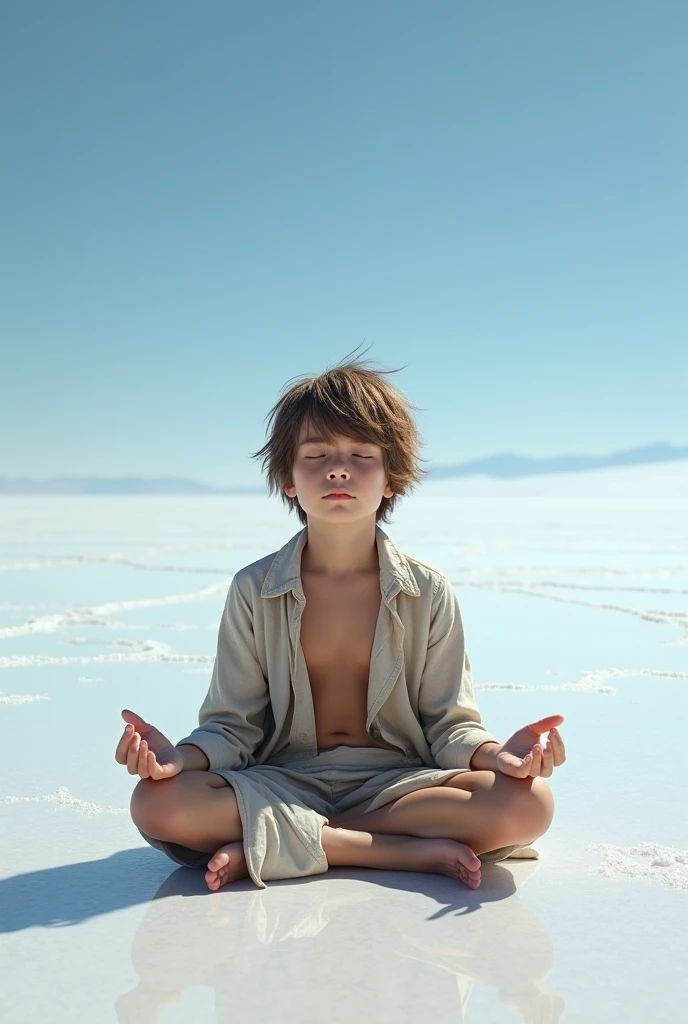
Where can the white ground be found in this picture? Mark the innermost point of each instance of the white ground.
(574, 592)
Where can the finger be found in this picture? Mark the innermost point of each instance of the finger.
(545, 724)
(123, 745)
(139, 724)
(163, 771)
(150, 765)
(526, 766)
(142, 766)
(133, 754)
(156, 771)
(558, 748)
(536, 763)
(547, 761)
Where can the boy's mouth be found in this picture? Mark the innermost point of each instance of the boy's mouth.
(338, 494)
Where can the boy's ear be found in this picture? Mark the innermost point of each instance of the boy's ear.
(290, 491)
(388, 492)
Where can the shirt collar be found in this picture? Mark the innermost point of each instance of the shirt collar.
(284, 573)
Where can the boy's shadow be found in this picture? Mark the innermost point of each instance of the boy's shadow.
(72, 893)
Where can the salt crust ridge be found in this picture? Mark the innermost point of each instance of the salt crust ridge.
(63, 799)
(590, 682)
(98, 615)
(20, 698)
(645, 861)
(679, 620)
(7, 565)
(146, 651)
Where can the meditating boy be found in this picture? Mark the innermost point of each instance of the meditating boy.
(340, 726)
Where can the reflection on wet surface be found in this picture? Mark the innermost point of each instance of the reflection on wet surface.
(309, 942)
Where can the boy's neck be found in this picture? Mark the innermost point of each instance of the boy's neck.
(343, 551)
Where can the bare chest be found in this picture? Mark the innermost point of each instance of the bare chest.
(337, 632)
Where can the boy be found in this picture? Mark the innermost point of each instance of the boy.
(340, 725)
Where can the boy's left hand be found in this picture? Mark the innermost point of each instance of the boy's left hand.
(522, 755)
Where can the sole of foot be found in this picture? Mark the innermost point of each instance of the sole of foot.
(226, 865)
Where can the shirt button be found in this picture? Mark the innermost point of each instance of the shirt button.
(303, 735)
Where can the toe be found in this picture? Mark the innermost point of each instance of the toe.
(470, 863)
(472, 875)
(218, 860)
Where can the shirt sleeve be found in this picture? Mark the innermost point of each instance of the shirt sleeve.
(448, 712)
(232, 717)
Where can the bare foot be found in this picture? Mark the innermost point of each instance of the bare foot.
(226, 865)
(447, 857)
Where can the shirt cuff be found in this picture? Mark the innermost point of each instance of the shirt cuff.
(458, 753)
(219, 752)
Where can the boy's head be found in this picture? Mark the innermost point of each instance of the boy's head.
(365, 442)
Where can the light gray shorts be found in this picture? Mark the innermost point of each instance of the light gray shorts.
(285, 803)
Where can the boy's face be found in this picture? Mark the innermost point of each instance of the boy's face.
(342, 464)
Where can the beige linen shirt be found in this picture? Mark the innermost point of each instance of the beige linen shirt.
(420, 693)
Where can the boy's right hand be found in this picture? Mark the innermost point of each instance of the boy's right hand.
(145, 751)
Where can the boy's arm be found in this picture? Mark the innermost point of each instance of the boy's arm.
(448, 712)
(232, 716)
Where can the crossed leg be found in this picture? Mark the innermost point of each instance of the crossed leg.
(484, 809)
(435, 829)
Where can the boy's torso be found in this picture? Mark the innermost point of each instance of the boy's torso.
(416, 679)
(337, 631)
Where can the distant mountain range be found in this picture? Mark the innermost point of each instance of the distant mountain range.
(504, 465)
(116, 485)
(519, 465)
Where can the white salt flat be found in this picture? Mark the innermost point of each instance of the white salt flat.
(572, 604)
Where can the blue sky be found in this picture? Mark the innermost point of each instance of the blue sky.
(203, 201)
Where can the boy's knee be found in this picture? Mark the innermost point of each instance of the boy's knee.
(536, 809)
(153, 805)
(527, 804)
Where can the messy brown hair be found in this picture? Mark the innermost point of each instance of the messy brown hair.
(353, 400)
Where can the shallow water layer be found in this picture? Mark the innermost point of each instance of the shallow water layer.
(575, 606)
